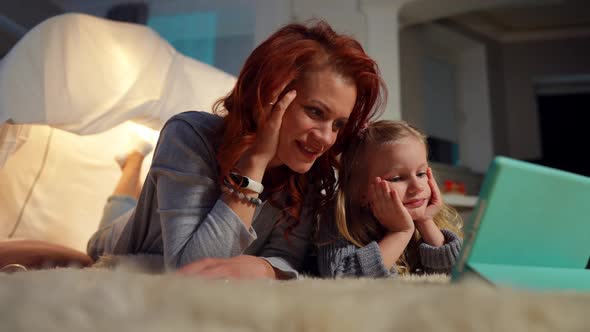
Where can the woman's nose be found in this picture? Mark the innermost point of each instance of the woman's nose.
(325, 135)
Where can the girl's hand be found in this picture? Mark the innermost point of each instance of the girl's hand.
(435, 203)
(267, 138)
(388, 208)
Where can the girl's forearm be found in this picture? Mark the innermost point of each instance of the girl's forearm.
(431, 234)
(393, 245)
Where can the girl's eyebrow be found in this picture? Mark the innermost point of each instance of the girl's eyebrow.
(402, 167)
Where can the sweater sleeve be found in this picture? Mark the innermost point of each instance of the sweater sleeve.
(286, 252)
(338, 258)
(441, 259)
(195, 222)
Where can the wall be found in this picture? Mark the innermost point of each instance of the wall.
(523, 63)
(445, 90)
(16, 17)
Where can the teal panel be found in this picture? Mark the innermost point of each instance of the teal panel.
(529, 215)
(192, 34)
(536, 278)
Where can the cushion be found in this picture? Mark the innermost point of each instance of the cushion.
(33, 254)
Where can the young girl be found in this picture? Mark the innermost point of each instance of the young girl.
(388, 215)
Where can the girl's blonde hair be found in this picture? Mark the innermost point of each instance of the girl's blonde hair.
(354, 166)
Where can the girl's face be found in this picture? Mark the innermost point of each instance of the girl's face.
(403, 165)
(314, 119)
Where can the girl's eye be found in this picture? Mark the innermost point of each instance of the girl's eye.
(395, 179)
(422, 174)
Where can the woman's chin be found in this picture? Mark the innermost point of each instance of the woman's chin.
(299, 167)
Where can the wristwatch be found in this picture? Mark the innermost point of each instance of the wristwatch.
(244, 182)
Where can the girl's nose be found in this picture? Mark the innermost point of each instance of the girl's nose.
(415, 185)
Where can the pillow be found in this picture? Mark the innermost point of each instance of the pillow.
(55, 186)
(32, 254)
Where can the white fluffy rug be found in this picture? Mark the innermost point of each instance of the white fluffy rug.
(105, 300)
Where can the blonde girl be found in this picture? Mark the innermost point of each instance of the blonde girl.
(388, 216)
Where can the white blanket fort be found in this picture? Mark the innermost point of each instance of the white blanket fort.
(74, 91)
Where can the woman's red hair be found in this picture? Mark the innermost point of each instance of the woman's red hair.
(283, 58)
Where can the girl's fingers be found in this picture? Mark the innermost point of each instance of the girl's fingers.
(371, 194)
(397, 202)
(379, 200)
(383, 190)
(435, 197)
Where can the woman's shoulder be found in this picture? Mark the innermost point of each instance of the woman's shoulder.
(201, 122)
(197, 131)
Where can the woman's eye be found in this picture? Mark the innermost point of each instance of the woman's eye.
(315, 112)
(338, 125)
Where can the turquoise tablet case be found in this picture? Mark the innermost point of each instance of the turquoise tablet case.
(529, 229)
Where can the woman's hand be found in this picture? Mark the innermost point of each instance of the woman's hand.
(435, 202)
(388, 208)
(239, 267)
(267, 138)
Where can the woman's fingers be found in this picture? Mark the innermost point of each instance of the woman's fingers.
(198, 266)
(215, 272)
(276, 95)
(281, 106)
(268, 135)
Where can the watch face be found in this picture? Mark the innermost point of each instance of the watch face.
(240, 181)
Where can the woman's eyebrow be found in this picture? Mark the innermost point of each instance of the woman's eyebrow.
(326, 108)
(322, 105)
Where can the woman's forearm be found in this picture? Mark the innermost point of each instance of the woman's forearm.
(254, 169)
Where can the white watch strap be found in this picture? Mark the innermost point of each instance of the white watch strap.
(247, 183)
(255, 186)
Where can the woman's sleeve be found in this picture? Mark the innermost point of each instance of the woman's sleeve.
(339, 258)
(286, 253)
(195, 222)
(440, 259)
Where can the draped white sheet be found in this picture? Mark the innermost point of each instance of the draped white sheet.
(75, 75)
(85, 74)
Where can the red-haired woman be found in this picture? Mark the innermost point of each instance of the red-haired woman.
(228, 193)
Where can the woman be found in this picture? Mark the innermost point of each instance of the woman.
(227, 194)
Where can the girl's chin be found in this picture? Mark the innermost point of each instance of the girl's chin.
(416, 214)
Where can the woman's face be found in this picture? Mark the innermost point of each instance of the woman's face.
(314, 119)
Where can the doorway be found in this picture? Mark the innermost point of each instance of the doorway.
(565, 131)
